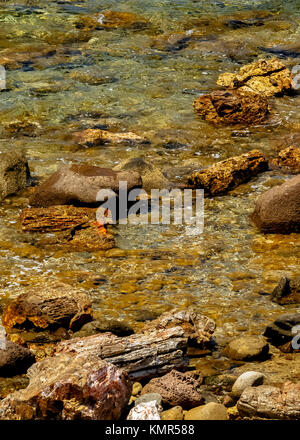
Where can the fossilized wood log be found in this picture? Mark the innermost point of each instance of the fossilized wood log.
(142, 355)
(55, 218)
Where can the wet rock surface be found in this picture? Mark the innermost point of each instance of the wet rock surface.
(67, 388)
(232, 107)
(49, 305)
(266, 77)
(14, 173)
(271, 402)
(80, 184)
(14, 359)
(247, 348)
(228, 174)
(177, 388)
(278, 209)
(93, 137)
(287, 159)
(287, 291)
(280, 331)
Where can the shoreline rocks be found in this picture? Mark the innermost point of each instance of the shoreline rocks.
(94, 136)
(228, 174)
(14, 359)
(277, 210)
(245, 380)
(247, 348)
(288, 158)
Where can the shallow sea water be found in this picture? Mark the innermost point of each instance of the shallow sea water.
(149, 89)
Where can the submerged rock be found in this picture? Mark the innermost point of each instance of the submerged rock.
(281, 332)
(278, 209)
(80, 184)
(266, 77)
(247, 348)
(228, 174)
(14, 359)
(14, 173)
(177, 388)
(232, 106)
(95, 136)
(248, 379)
(271, 402)
(197, 328)
(48, 306)
(287, 158)
(64, 387)
(119, 328)
(111, 20)
(287, 291)
(152, 177)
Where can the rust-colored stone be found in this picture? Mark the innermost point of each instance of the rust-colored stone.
(228, 174)
(288, 158)
(95, 136)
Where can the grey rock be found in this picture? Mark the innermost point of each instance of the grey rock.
(149, 397)
(280, 331)
(248, 379)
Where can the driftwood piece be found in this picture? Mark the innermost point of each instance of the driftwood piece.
(142, 355)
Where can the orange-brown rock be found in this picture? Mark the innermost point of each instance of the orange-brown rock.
(55, 218)
(228, 174)
(232, 106)
(94, 136)
(288, 158)
(48, 306)
(67, 387)
(266, 77)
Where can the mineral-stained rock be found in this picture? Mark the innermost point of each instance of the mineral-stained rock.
(288, 158)
(112, 19)
(14, 359)
(14, 173)
(248, 379)
(55, 218)
(278, 209)
(145, 411)
(152, 177)
(247, 348)
(271, 402)
(49, 305)
(177, 388)
(266, 77)
(210, 411)
(198, 328)
(287, 291)
(232, 106)
(281, 332)
(142, 355)
(80, 184)
(69, 387)
(228, 174)
(95, 136)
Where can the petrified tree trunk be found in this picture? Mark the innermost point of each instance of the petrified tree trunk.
(142, 355)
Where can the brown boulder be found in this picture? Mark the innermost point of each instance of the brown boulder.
(228, 174)
(14, 173)
(271, 402)
(278, 209)
(247, 348)
(266, 77)
(288, 158)
(287, 291)
(177, 388)
(64, 387)
(197, 328)
(14, 359)
(80, 184)
(232, 107)
(48, 306)
(94, 136)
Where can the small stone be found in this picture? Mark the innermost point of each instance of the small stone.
(175, 413)
(210, 411)
(94, 136)
(149, 397)
(248, 379)
(228, 401)
(14, 173)
(288, 158)
(247, 348)
(280, 332)
(287, 291)
(145, 411)
(119, 328)
(14, 359)
(136, 388)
